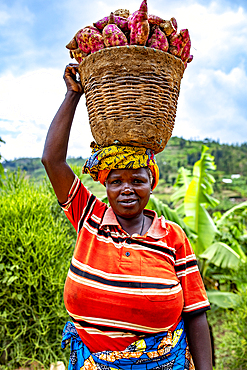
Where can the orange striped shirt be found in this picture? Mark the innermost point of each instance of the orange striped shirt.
(121, 287)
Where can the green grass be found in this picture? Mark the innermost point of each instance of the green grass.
(36, 247)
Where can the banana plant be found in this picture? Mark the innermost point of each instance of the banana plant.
(232, 225)
(193, 196)
(196, 192)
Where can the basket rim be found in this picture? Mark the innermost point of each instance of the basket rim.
(105, 50)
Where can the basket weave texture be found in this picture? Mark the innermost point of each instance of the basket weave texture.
(131, 95)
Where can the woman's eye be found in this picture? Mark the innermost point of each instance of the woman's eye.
(137, 181)
(116, 182)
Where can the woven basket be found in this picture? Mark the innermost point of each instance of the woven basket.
(131, 95)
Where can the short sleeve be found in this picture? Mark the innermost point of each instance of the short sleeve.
(186, 267)
(78, 203)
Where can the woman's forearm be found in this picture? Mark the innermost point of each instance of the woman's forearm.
(56, 145)
(199, 341)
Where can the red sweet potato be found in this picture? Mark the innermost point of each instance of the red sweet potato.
(175, 44)
(112, 35)
(131, 16)
(186, 51)
(121, 22)
(189, 60)
(101, 23)
(139, 26)
(185, 36)
(89, 40)
(158, 40)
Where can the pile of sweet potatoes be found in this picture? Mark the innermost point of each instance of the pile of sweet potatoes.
(140, 28)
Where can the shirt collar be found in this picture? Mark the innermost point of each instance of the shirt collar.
(157, 230)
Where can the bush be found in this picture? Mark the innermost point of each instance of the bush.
(235, 339)
(229, 328)
(35, 252)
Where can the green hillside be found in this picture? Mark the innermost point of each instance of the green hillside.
(230, 175)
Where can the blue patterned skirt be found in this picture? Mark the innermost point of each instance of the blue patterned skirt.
(166, 351)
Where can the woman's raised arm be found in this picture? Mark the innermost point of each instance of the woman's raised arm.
(56, 144)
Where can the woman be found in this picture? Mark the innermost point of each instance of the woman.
(133, 283)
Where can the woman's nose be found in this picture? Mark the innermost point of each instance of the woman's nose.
(126, 189)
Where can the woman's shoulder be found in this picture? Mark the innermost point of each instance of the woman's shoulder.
(161, 221)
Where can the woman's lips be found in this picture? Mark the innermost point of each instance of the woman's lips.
(128, 201)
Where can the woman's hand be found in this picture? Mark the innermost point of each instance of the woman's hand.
(71, 78)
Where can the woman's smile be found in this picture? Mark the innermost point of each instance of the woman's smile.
(128, 203)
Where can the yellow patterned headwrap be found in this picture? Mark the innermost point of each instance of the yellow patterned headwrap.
(103, 160)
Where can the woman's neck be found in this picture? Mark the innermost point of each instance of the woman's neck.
(137, 225)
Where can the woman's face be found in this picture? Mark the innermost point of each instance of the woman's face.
(128, 191)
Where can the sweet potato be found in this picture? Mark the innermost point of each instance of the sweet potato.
(178, 41)
(185, 36)
(189, 60)
(72, 45)
(175, 26)
(139, 26)
(158, 40)
(175, 45)
(124, 13)
(78, 54)
(89, 40)
(174, 22)
(154, 19)
(112, 35)
(131, 16)
(121, 22)
(167, 27)
(186, 51)
(101, 23)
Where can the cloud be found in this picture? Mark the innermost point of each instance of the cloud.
(212, 105)
(16, 21)
(29, 103)
(213, 90)
(4, 17)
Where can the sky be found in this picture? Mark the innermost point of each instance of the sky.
(33, 34)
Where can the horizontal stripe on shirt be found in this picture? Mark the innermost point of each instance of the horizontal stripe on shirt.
(123, 289)
(121, 277)
(118, 324)
(122, 284)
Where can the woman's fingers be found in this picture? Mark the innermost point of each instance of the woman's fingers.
(71, 78)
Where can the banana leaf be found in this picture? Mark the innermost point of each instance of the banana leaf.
(236, 209)
(182, 183)
(203, 226)
(222, 299)
(221, 255)
(197, 198)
